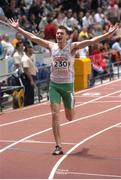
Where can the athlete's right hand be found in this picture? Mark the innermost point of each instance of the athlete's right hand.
(13, 23)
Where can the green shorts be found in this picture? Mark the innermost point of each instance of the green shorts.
(62, 91)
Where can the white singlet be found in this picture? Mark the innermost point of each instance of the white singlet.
(62, 65)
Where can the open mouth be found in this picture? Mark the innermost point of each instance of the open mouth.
(59, 39)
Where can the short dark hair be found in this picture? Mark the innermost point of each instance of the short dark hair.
(27, 46)
(18, 44)
(63, 27)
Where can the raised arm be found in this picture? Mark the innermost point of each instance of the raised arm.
(82, 44)
(15, 24)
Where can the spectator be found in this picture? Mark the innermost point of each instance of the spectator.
(83, 33)
(98, 30)
(80, 16)
(8, 47)
(34, 23)
(10, 9)
(99, 16)
(26, 24)
(117, 45)
(17, 61)
(17, 39)
(17, 56)
(50, 29)
(37, 9)
(70, 20)
(115, 56)
(85, 20)
(28, 3)
(60, 19)
(29, 77)
(113, 11)
(98, 64)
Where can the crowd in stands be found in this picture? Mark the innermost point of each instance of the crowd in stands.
(83, 19)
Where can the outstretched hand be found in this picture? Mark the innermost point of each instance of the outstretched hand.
(13, 23)
(112, 29)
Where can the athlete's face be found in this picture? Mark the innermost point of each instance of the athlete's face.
(61, 36)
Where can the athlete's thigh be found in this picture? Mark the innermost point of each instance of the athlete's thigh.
(69, 102)
(54, 95)
(68, 96)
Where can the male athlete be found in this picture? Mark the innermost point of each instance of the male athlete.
(62, 72)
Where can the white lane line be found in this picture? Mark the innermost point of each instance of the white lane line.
(117, 96)
(65, 172)
(51, 176)
(46, 114)
(91, 94)
(46, 130)
(118, 126)
(79, 102)
(36, 142)
(25, 119)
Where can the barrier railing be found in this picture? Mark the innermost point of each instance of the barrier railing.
(7, 88)
(113, 71)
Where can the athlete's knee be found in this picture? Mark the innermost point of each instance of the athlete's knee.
(69, 115)
(55, 116)
(55, 109)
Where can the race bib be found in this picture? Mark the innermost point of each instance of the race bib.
(61, 64)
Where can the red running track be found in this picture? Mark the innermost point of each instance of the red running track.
(91, 141)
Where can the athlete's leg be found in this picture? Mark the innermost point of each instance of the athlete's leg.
(55, 108)
(55, 100)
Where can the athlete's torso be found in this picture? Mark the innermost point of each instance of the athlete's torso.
(62, 70)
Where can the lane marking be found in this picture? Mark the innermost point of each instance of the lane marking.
(49, 129)
(51, 176)
(117, 96)
(100, 102)
(65, 172)
(91, 94)
(36, 142)
(46, 114)
(118, 126)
